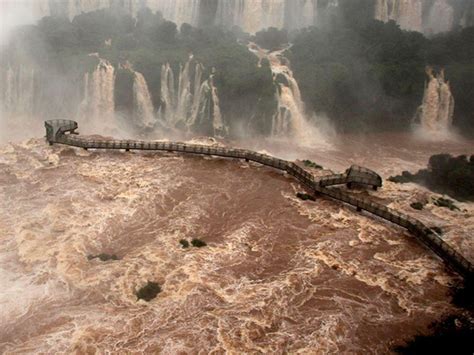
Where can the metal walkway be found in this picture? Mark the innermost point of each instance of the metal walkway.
(63, 132)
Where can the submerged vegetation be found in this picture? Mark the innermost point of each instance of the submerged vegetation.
(446, 174)
(184, 243)
(103, 257)
(198, 243)
(149, 291)
(311, 164)
(445, 202)
(417, 206)
(305, 197)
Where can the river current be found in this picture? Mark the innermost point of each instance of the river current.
(278, 275)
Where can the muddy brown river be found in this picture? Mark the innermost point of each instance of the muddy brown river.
(279, 275)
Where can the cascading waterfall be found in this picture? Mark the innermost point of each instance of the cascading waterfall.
(18, 93)
(436, 112)
(440, 17)
(290, 120)
(193, 101)
(254, 15)
(418, 15)
(407, 13)
(98, 102)
(217, 122)
(143, 105)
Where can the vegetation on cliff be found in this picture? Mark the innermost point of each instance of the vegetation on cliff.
(365, 74)
(57, 45)
(361, 73)
(446, 174)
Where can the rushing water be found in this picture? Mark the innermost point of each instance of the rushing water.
(251, 15)
(143, 104)
(98, 104)
(17, 96)
(437, 110)
(279, 275)
(290, 121)
(191, 100)
(407, 13)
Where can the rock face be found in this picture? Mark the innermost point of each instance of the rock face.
(428, 16)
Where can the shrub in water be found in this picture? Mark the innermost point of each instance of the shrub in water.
(311, 164)
(198, 243)
(184, 243)
(444, 202)
(149, 291)
(103, 257)
(305, 197)
(417, 206)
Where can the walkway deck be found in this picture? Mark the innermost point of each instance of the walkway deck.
(57, 132)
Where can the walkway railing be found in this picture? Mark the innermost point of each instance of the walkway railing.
(56, 133)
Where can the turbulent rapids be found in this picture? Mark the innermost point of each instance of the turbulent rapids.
(56, 132)
(279, 275)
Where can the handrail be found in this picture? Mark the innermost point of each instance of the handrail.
(56, 133)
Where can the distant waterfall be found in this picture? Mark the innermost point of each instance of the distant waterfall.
(440, 17)
(18, 90)
(428, 16)
(436, 112)
(98, 102)
(143, 105)
(407, 13)
(290, 120)
(193, 101)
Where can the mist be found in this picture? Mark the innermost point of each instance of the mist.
(322, 201)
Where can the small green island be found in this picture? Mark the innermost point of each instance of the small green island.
(453, 176)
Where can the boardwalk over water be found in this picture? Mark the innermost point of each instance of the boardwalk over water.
(63, 132)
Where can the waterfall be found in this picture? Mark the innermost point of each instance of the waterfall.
(17, 95)
(98, 102)
(217, 123)
(290, 120)
(440, 17)
(436, 112)
(428, 16)
(407, 13)
(143, 105)
(191, 101)
(178, 11)
(418, 15)
(251, 15)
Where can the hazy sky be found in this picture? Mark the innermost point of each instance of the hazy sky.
(16, 12)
